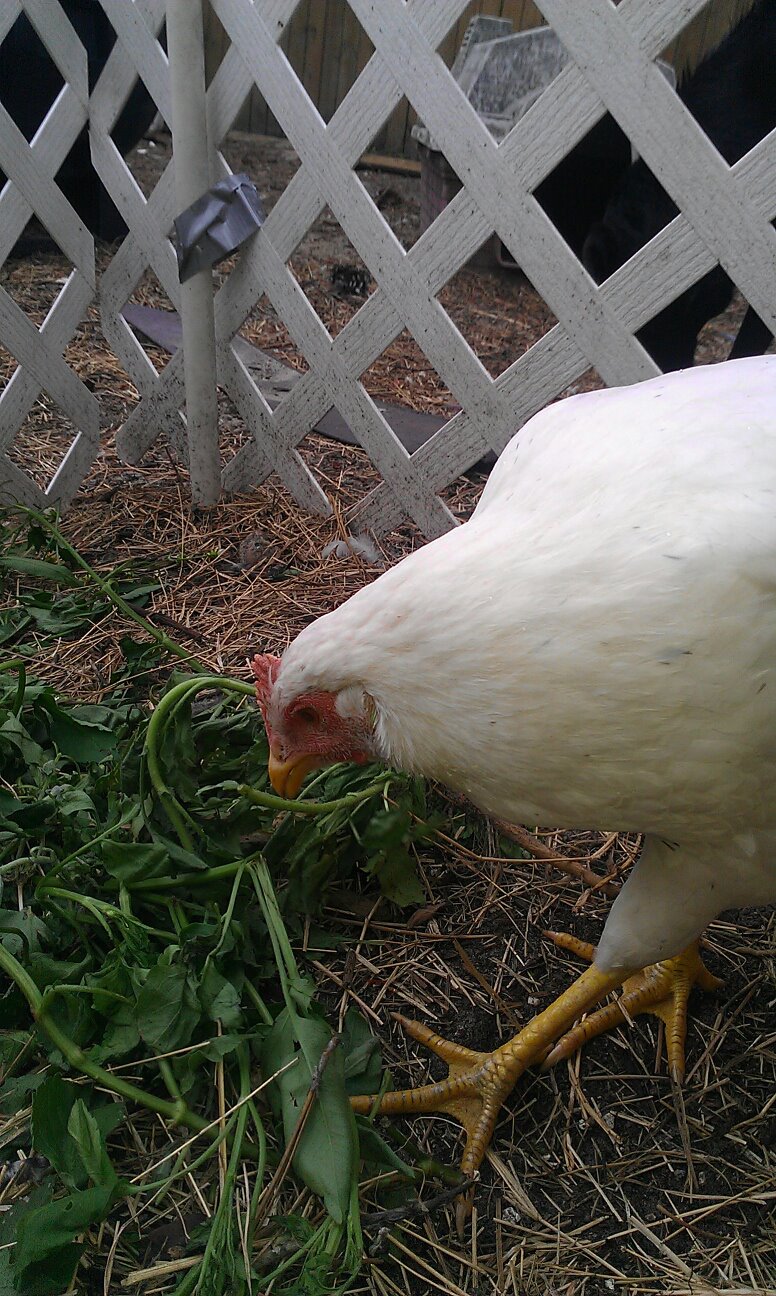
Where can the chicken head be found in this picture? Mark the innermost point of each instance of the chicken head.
(309, 730)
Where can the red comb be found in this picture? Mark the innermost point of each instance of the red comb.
(265, 669)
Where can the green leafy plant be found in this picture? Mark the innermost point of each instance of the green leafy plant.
(151, 886)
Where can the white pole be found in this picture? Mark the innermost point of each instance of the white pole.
(185, 48)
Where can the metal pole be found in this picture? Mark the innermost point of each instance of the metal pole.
(185, 47)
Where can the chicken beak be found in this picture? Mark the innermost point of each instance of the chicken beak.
(287, 776)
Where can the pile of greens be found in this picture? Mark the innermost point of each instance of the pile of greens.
(151, 892)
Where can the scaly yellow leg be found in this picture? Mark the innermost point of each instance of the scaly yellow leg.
(478, 1083)
(662, 989)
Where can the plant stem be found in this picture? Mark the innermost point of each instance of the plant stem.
(110, 593)
(17, 664)
(296, 993)
(311, 807)
(159, 1187)
(258, 1003)
(176, 1112)
(14, 664)
(183, 881)
(180, 820)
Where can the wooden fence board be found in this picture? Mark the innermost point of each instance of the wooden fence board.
(317, 29)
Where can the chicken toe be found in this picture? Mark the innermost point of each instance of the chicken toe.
(662, 989)
(478, 1083)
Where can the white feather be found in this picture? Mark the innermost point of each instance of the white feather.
(595, 647)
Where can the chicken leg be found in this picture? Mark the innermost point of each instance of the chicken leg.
(662, 989)
(478, 1083)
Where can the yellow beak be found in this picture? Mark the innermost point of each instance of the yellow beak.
(287, 776)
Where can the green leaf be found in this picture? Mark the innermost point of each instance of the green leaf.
(326, 1156)
(130, 861)
(7, 1287)
(219, 1046)
(47, 971)
(73, 800)
(11, 1043)
(187, 859)
(51, 1110)
(45, 1256)
(37, 567)
(398, 878)
(120, 1037)
(80, 740)
(61, 616)
(85, 1133)
(13, 731)
(15, 1092)
(219, 998)
(134, 593)
(362, 1066)
(26, 926)
(8, 802)
(167, 1009)
(12, 622)
(177, 752)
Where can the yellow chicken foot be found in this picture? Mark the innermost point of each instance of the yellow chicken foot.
(478, 1083)
(662, 989)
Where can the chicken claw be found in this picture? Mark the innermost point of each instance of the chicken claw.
(662, 989)
(477, 1084)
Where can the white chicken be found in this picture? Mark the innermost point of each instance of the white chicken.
(593, 649)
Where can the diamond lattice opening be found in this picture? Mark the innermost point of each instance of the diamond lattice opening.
(340, 465)
(397, 196)
(25, 61)
(153, 320)
(499, 313)
(331, 274)
(42, 441)
(35, 290)
(579, 189)
(271, 163)
(329, 67)
(462, 495)
(148, 160)
(404, 376)
(737, 330)
(265, 330)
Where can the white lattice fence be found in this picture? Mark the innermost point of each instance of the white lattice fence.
(31, 189)
(725, 217)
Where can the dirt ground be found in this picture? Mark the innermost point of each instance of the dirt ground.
(602, 1177)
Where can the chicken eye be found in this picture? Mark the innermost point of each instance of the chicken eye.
(307, 714)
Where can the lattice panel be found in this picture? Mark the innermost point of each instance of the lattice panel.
(148, 245)
(725, 217)
(30, 189)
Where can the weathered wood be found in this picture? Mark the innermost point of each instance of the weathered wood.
(384, 162)
(326, 33)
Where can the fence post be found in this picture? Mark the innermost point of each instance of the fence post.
(191, 155)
